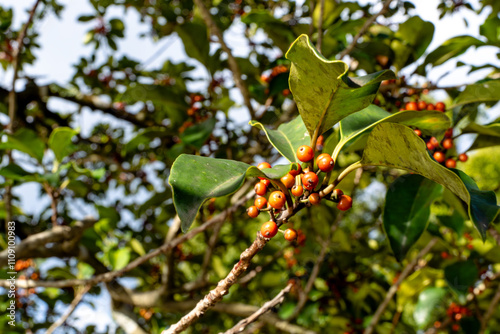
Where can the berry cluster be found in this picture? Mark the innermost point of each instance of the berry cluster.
(440, 150)
(422, 105)
(196, 112)
(300, 185)
(277, 70)
(457, 312)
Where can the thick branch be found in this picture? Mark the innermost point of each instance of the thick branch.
(392, 291)
(240, 326)
(320, 24)
(233, 65)
(364, 28)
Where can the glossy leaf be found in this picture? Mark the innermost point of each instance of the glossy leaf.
(195, 179)
(461, 275)
(407, 210)
(287, 138)
(397, 146)
(323, 91)
(429, 301)
(60, 142)
(24, 140)
(486, 91)
(198, 134)
(354, 128)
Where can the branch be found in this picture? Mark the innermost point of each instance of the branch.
(63, 237)
(240, 326)
(363, 29)
(233, 65)
(320, 25)
(491, 309)
(388, 297)
(70, 310)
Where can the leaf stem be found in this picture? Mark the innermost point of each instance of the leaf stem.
(339, 178)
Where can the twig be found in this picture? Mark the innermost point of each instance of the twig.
(312, 5)
(388, 297)
(70, 310)
(12, 104)
(363, 29)
(233, 65)
(320, 25)
(248, 277)
(491, 309)
(240, 326)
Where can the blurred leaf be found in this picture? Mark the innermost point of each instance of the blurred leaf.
(397, 146)
(85, 271)
(323, 91)
(86, 18)
(60, 142)
(15, 172)
(407, 210)
(195, 38)
(287, 138)
(198, 134)
(428, 303)
(137, 246)
(483, 166)
(461, 275)
(119, 258)
(144, 138)
(24, 140)
(485, 91)
(455, 221)
(277, 30)
(489, 29)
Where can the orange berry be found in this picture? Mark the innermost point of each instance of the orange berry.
(430, 147)
(262, 166)
(310, 180)
(265, 181)
(345, 203)
(314, 199)
(440, 106)
(448, 143)
(319, 143)
(277, 199)
(449, 133)
(451, 163)
(297, 190)
(297, 171)
(434, 142)
(290, 234)
(253, 211)
(260, 189)
(430, 106)
(269, 229)
(421, 105)
(418, 132)
(337, 194)
(305, 153)
(260, 202)
(411, 106)
(325, 162)
(463, 157)
(286, 92)
(288, 180)
(439, 157)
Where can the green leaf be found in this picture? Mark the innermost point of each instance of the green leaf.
(411, 41)
(354, 128)
(287, 138)
(137, 246)
(195, 179)
(455, 221)
(429, 301)
(484, 167)
(86, 18)
(461, 275)
(397, 146)
(407, 210)
(60, 142)
(24, 140)
(119, 258)
(486, 91)
(490, 30)
(322, 89)
(15, 172)
(198, 134)
(194, 36)
(85, 271)
(144, 138)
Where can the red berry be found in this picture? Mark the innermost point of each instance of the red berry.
(337, 194)
(451, 163)
(411, 106)
(319, 143)
(449, 133)
(430, 147)
(288, 180)
(448, 143)
(430, 106)
(260, 189)
(305, 153)
(297, 190)
(290, 234)
(418, 132)
(277, 199)
(463, 157)
(325, 162)
(269, 229)
(297, 171)
(439, 157)
(260, 202)
(345, 203)
(253, 211)
(310, 180)
(314, 199)
(286, 92)
(422, 105)
(434, 142)
(440, 106)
